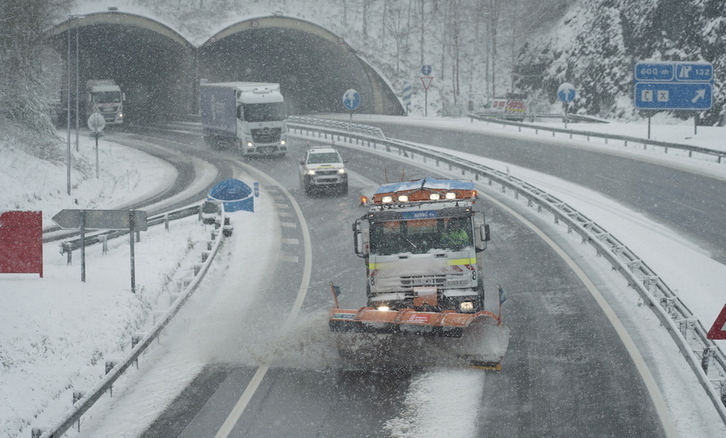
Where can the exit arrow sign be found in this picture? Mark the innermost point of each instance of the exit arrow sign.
(101, 219)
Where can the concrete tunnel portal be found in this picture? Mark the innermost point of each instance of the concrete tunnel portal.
(159, 70)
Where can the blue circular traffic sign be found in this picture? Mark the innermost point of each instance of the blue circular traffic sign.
(426, 70)
(351, 99)
(566, 92)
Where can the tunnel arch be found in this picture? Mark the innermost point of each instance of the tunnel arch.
(299, 76)
(160, 70)
(153, 64)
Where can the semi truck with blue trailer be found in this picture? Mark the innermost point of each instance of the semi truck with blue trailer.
(245, 116)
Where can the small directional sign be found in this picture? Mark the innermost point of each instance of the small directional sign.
(566, 92)
(101, 219)
(673, 85)
(96, 122)
(426, 70)
(351, 99)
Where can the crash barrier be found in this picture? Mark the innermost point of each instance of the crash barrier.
(68, 246)
(82, 401)
(705, 358)
(709, 153)
(351, 128)
(532, 116)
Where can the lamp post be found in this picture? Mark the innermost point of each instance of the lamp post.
(68, 100)
(68, 106)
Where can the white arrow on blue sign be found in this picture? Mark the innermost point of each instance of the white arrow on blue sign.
(351, 99)
(426, 70)
(566, 92)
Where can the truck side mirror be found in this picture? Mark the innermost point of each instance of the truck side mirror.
(361, 249)
(485, 236)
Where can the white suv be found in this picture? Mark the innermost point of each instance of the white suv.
(323, 168)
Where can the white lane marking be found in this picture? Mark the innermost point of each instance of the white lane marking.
(689, 207)
(241, 404)
(291, 241)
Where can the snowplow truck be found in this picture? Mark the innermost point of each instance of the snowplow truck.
(422, 242)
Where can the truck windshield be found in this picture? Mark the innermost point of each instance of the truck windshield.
(419, 236)
(107, 97)
(264, 112)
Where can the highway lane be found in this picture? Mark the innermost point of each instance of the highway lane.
(564, 358)
(691, 204)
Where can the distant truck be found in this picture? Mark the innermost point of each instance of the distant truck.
(247, 116)
(106, 98)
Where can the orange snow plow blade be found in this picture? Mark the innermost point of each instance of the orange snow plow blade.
(373, 337)
(447, 323)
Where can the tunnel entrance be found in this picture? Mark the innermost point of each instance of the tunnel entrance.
(159, 70)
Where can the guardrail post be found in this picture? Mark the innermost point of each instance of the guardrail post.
(104, 242)
(166, 221)
(66, 248)
(707, 353)
(77, 395)
(109, 366)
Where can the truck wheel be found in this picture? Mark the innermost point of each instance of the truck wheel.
(344, 189)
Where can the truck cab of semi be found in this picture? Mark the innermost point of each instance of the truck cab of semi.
(106, 98)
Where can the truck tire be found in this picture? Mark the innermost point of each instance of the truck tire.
(344, 189)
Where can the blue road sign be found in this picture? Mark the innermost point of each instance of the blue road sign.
(673, 95)
(426, 70)
(566, 92)
(674, 85)
(659, 71)
(351, 99)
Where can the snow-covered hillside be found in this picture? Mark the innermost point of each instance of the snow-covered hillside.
(596, 45)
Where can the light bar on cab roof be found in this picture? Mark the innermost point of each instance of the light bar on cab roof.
(450, 195)
(387, 199)
(403, 198)
(434, 196)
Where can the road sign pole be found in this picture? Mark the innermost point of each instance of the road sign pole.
(96, 135)
(648, 127)
(83, 246)
(426, 103)
(132, 228)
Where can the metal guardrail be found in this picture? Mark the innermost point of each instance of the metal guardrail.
(84, 401)
(532, 116)
(718, 155)
(71, 245)
(352, 128)
(706, 360)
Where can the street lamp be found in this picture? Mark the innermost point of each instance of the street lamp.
(68, 99)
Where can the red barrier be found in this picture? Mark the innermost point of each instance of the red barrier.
(21, 242)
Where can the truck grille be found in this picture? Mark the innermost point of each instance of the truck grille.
(325, 172)
(266, 135)
(409, 282)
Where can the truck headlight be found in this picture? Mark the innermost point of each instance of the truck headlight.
(282, 142)
(466, 306)
(250, 144)
(384, 308)
(341, 170)
(310, 172)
